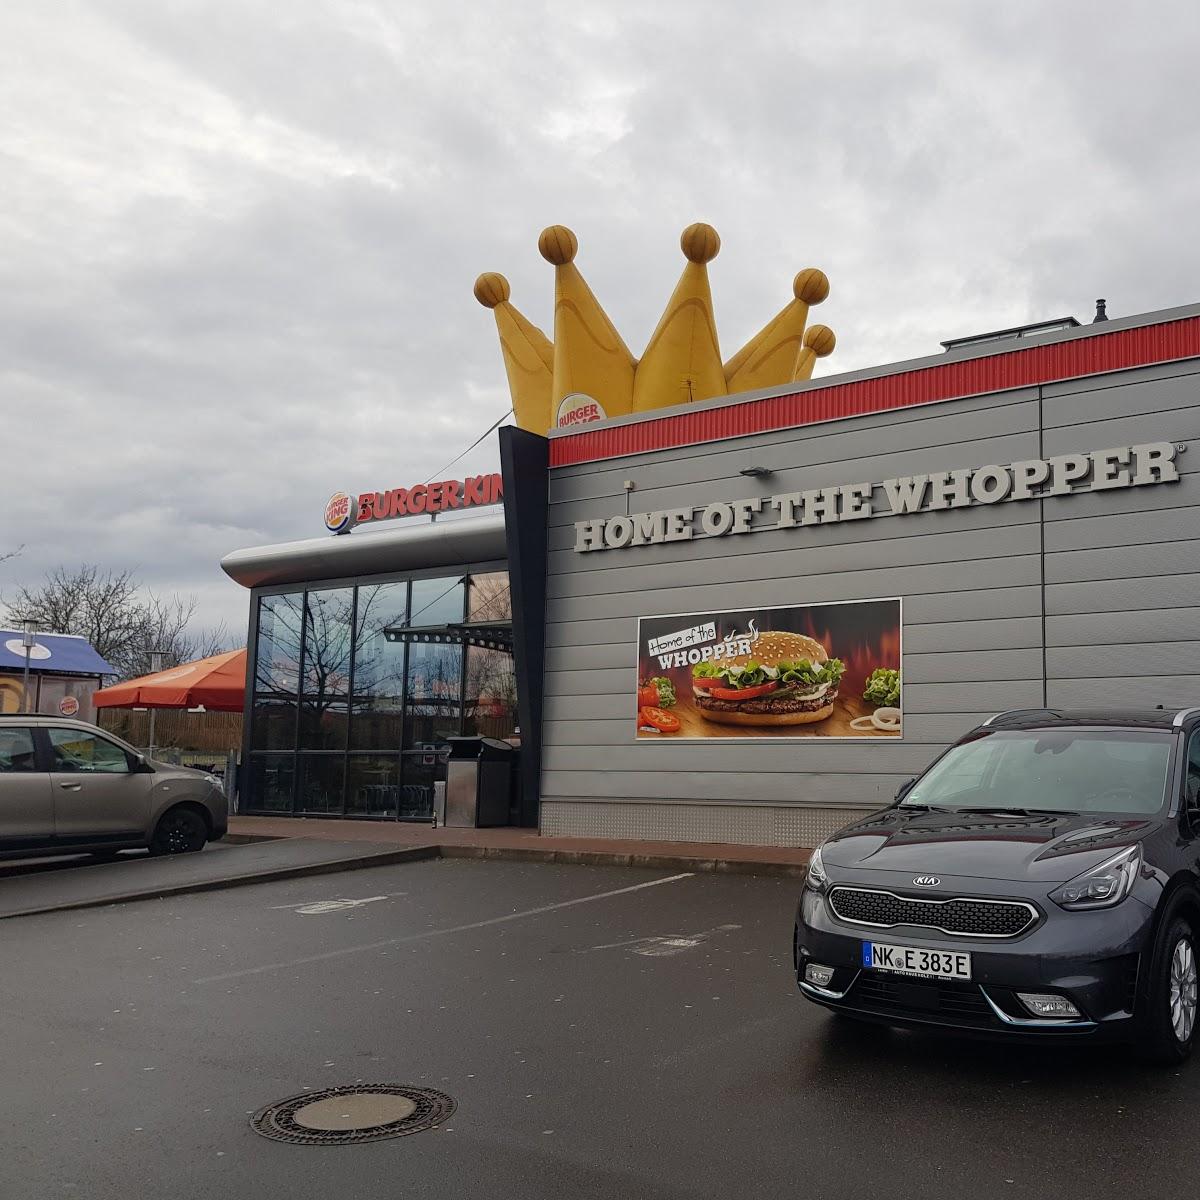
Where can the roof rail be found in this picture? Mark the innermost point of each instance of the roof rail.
(1182, 716)
(1013, 712)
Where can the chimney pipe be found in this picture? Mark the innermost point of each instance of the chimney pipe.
(1101, 314)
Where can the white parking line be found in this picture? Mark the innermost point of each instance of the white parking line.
(432, 933)
(315, 907)
(665, 945)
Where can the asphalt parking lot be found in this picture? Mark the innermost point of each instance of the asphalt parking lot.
(41, 885)
(604, 1031)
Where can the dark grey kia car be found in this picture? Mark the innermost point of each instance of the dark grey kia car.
(1040, 880)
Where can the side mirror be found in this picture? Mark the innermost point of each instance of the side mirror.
(141, 765)
(903, 790)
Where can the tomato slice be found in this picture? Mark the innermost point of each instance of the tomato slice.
(660, 719)
(706, 684)
(750, 693)
(647, 696)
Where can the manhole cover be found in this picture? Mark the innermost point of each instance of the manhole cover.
(345, 1116)
(355, 1110)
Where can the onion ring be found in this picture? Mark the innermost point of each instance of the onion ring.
(886, 718)
(863, 723)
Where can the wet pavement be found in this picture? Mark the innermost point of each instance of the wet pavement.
(605, 1032)
(40, 885)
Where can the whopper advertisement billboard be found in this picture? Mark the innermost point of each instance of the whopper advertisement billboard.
(803, 671)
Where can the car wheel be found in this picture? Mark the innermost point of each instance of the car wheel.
(179, 831)
(1171, 1016)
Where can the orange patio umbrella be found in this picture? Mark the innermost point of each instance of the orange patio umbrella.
(217, 683)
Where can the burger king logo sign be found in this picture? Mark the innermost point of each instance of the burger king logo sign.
(578, 409)
(339, 512)
(68, 706)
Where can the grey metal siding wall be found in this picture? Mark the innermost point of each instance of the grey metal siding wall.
(1123, 568)
(1120, 601)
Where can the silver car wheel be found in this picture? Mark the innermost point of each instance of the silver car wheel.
(1182, 993)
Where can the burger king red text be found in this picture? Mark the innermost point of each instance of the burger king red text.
(344, 511)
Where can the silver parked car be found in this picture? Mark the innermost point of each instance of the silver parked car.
(67, 787)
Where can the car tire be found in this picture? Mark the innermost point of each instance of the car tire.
(1170, 1022)
(179, 831)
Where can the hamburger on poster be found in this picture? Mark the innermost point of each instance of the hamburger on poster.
(788, 679)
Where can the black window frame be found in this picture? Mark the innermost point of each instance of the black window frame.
(296, 754)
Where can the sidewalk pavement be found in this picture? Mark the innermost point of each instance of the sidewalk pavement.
(528, 845)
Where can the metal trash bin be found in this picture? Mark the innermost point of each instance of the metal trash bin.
(478, 782)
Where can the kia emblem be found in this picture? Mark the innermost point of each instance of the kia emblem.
(927, 881)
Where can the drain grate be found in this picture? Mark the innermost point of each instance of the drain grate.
(346, 1116)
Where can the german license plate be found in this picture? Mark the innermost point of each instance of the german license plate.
(912, 960)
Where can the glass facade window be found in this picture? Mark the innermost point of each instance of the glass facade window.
(280, 628)
(272, 780)
(323, 723)
(373, 785)
(433, 702)
(420, 772)
(328, 629)
(490, 693)
(273, 723)
(437, 602)
(321, 783)
(346, 707)
(378, 701)
(277, 672)
(488, 597)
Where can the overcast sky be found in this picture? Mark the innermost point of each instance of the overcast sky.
(238, 237)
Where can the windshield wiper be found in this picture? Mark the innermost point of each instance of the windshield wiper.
(1023, 812)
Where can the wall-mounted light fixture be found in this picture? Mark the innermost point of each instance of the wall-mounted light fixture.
(757, 472)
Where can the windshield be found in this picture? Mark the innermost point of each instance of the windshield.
(1062, 770)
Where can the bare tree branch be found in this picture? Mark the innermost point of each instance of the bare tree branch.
(124, 623)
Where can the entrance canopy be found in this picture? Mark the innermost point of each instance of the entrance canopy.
(217, 683)
(488, 635)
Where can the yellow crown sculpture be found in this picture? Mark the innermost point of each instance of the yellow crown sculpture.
(588, 373)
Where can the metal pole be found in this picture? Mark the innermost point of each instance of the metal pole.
(156, 664)
(28, 642)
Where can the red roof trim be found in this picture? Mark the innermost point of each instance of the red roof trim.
(1027, 367)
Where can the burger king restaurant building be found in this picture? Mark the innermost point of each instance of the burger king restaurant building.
(751, 619)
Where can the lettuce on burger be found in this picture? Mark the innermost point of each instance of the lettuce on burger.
(788, 680)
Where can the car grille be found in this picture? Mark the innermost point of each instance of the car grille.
(958, 1003)
(972, 918)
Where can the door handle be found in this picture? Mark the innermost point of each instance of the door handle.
(71, 787)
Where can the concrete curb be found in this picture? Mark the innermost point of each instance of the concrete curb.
(358, 862)
(611, 858)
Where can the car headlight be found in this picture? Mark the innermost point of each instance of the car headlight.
(1104, 885)
(816, 879)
